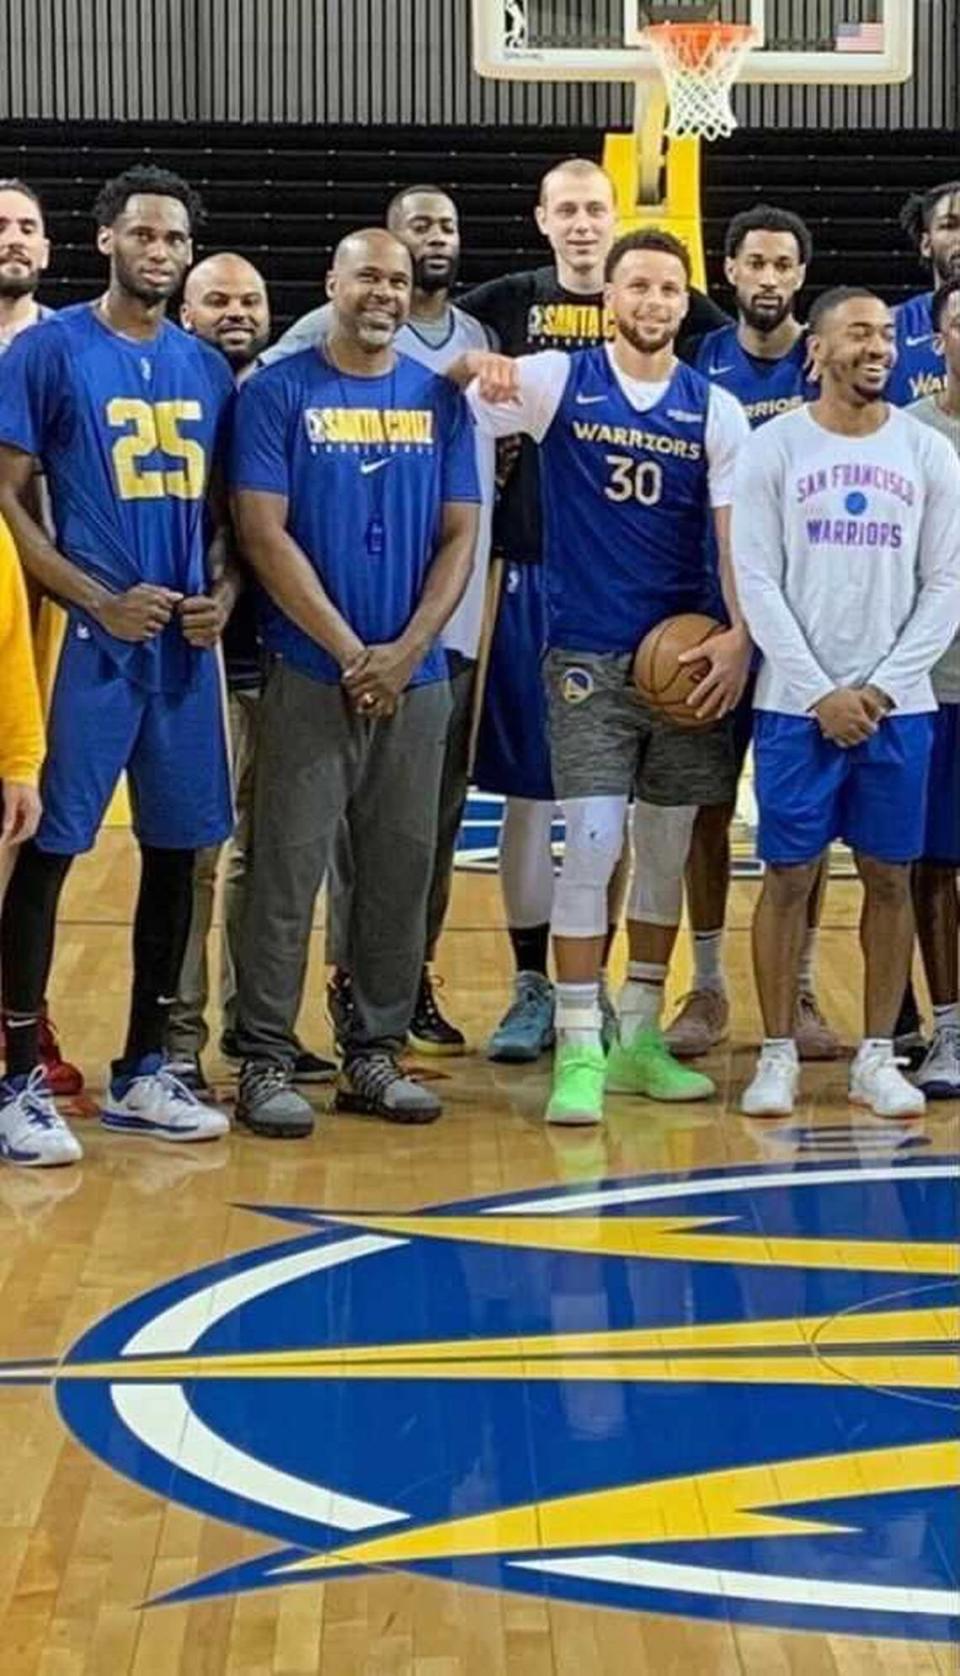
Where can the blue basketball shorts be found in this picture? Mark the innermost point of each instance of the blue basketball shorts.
(810, 791)
(942, 837)
(513, 750)
(173, 747)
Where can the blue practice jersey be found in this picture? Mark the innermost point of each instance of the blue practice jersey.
(126, 432)
(366, 465)
(763, 388)
(626, 500)
(920, 370)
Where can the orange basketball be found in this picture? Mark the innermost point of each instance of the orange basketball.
(660, 680)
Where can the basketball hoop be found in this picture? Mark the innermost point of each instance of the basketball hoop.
(699, 63)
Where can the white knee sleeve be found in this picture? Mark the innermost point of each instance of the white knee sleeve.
(594, 839)
(661, 840)
(526, 862)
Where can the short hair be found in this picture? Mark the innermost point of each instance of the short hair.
(574, 166)
(15, 184)
(767, 218)
(835, 298)
(647, 238)
(411, 192)
(146, 178)
(940, 301)
(918, 211)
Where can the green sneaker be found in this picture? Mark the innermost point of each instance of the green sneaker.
(577, 1094)
(648, 1067)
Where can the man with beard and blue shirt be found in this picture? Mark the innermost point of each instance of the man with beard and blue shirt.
(637, 453)
(931, 221)
(425, 220)
(762, 360)
(124, 413)
(355, 487)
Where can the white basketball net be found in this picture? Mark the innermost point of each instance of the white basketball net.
(699, 63)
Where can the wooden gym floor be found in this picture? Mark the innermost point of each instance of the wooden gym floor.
(100, 1516)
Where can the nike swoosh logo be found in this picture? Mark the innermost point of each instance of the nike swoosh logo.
(367, 466)
(718, 372)
(914, 343)
(587, 401)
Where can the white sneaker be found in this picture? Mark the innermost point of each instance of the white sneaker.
(32, 1132)
(939, 1075)
(773, 1091)
(155, 1102)
(877, 1081)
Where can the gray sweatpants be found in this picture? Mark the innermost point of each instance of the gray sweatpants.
(187, 1029)
(318, 763)
(453, 796)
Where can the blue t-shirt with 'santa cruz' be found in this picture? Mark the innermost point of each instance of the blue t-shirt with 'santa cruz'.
(366, 466)
(126, 430)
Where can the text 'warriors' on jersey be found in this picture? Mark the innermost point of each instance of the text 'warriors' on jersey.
(764, 388)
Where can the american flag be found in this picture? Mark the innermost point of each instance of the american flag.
(860, 37)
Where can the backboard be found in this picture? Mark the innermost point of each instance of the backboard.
(846, 42)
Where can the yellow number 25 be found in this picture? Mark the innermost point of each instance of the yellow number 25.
(156, 429)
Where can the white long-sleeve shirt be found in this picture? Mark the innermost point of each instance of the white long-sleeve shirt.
(847, 558)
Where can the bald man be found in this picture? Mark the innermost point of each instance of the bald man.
(225, 302)
(354, 486)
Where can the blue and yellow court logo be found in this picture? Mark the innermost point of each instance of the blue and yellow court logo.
(731, 1395)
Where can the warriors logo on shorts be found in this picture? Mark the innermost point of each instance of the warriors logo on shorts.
(576, 685)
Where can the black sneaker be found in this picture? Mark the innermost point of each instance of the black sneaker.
(341, 1008)
(229, 1046)
(309, 1068)
(374, 1083)
(267, 1104)
(430, 1032)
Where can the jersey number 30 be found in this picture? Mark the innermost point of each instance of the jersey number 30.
(156, 429)
(630, 479)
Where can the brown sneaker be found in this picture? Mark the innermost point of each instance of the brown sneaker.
(814, 1037)
(700, 1024)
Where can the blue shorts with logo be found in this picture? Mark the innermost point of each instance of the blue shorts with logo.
(513, 750)
(942, 837)
(810, 791)
(173, 747)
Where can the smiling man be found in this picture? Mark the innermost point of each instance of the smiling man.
(354, 481)
(846, 545)
(24, 258)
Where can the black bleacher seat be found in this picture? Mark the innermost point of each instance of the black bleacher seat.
(283, 195)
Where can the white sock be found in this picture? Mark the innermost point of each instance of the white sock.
(779, 1044)
(708, 961)
(882, 1045)
(948, 1015)
(808, 960)
(640, 1001)
(577, 1016)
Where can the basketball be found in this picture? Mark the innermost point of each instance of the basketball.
(660, 679)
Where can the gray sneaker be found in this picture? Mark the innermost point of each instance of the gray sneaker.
(374, 1083)
(526, 1028)
(268, 1105)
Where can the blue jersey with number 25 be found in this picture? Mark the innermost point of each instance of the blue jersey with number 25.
(126, 431)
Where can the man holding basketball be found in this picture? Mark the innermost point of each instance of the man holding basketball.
(635, 450)
(847, 550)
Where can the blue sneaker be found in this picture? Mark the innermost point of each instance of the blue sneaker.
(526, 1029)
(151, 1100)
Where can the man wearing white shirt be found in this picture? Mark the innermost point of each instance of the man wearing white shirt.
(636, 454)
(846, 545)
(425, 220)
